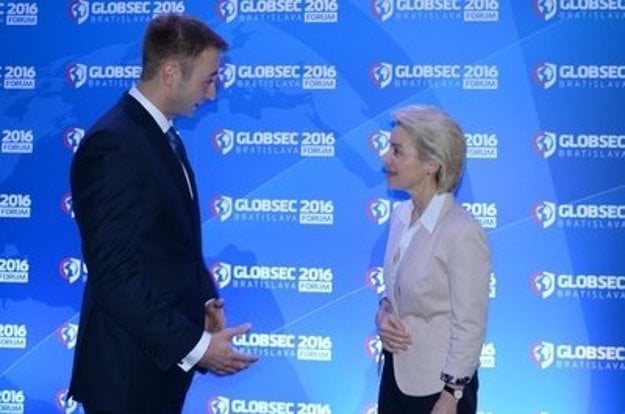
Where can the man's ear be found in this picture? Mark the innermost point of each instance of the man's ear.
(170, 71)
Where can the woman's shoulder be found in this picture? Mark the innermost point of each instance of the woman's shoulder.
(461, 220)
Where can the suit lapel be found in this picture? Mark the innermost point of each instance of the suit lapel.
(158, 142)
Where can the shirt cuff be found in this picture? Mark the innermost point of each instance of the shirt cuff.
(196, 353)
(451, 380)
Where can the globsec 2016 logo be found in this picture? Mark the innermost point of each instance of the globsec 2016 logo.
(546, 9)
(17, 141)
(585, 145)
(576, 356)
(224, 405)
(79, 10)
(542, 354)
(222, 274)
(482, 145)
(381, 74)
(374, 278)
(67, 335)
(72, 137)
(545, 75)
(468, 11)
(373, 348)
(274, 210)
(223, 141)
(544, 213)
(592, 216)
(72, 269)
(282, 76)
(14, 270)
(469, 77)
(284, 345)
(488, 356)
(302, 279)
(221, 207)
(543, 284)
(380, 141)
(121, 11)
(578, 286)
(227, 75)
(304, 144)
(78, 75)
(13, 336)
(218, 405)
(379, 210)
(306, 11)
(67, 205)
(383, 9)
(15, 205)
(484, 213)
(545, 143)
(19, 13)
(549, 75)
(579, 9)
(492, 286)
(12, 401)
(64, 404)
(18, 77)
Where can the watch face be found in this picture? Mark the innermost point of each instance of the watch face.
(457, 394)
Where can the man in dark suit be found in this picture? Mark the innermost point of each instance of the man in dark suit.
(151, 315)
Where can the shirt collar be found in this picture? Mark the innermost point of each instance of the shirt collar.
(158, 116)
(430, 216)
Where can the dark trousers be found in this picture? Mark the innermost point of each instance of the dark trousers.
(172, 408)
(392, 401)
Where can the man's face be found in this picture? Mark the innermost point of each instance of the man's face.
(189, 92)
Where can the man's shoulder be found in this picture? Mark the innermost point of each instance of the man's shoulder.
(118, 123)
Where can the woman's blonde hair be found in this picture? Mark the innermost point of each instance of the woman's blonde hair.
(437, 138)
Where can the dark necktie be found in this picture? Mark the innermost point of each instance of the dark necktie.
(178, 147)
(176, 144)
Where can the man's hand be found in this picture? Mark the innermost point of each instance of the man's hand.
(392, 332)
(214, 317)
(221, 358)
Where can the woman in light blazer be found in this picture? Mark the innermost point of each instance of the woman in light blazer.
(432, 319)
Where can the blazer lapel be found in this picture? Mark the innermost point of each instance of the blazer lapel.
(158, 141)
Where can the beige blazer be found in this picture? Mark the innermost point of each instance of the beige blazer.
(440, 292)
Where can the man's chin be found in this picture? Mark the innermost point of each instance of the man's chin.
(189, 112)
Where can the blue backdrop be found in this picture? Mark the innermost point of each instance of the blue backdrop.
(294, 206)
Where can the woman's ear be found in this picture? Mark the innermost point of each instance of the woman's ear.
(432, 167)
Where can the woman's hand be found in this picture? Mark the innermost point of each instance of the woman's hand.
(446, 404)
(394, 336)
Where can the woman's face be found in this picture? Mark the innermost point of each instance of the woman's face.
(404, 170)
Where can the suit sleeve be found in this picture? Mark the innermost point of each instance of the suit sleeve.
(109, 199)
(469, 276)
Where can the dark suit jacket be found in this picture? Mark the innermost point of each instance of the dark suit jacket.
(143, 305)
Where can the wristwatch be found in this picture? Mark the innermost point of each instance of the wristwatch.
(457, 394)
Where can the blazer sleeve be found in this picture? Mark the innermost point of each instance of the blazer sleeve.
(469, 277)
(109, 199)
